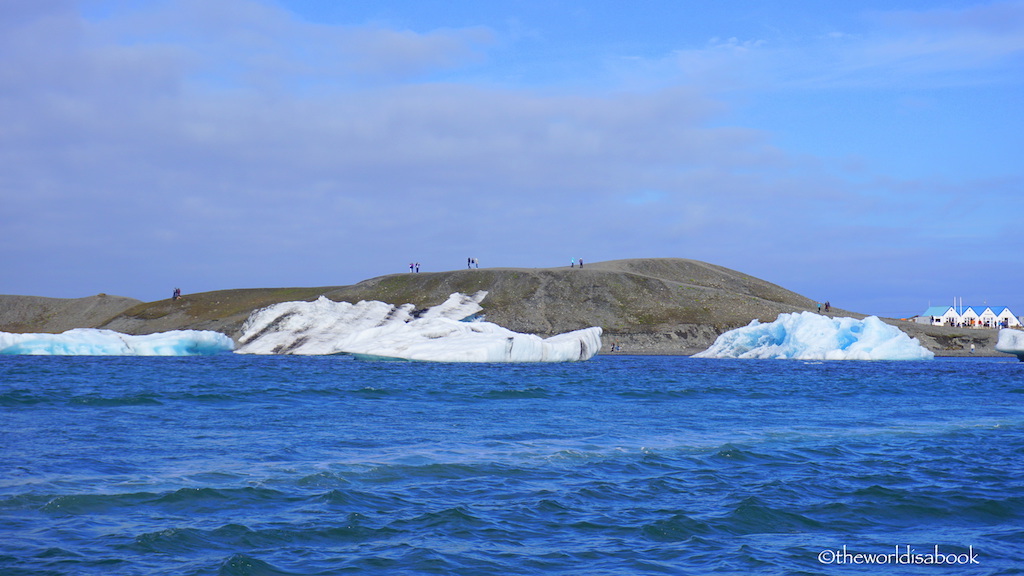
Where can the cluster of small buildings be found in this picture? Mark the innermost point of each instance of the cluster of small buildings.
(970, 317)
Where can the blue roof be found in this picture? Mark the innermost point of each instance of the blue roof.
(936, 311)
(978, 310)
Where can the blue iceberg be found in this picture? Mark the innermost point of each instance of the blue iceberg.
(1011, 342)
(92, 342)
(809, 336)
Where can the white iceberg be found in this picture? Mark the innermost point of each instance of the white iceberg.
(1011, 342)
(377, 329)
(92, 342)
(809, 336)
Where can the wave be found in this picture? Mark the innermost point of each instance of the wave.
(245, 565)
(183, 540)
(183, 498)
(677, 528)
(193, 498)
(454, 520)
(752, 516)
(112, 402)
(361, 499)
(15, 398)
(515, 394)
(677, 393)
(76, 504)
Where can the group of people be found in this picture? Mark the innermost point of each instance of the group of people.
(475, 263)
(177, 294)
(827, 305)
(470, 263)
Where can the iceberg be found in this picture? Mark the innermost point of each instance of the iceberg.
(809, 336)
(93, 342)
(1011, 342)
(448, 332)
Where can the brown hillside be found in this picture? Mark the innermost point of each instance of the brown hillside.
(24, 314)
(650, 299)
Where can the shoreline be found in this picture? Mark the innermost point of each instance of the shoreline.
(648, 306)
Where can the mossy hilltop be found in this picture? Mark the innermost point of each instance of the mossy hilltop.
(655, 305)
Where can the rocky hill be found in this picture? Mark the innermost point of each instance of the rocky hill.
(652, 306)
(55, 315)
(646, 305)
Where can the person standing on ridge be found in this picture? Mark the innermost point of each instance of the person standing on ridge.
(572, 263)
(581, 262)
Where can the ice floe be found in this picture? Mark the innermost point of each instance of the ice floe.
(447, 332)
(809, 336)
(1011, 342)
(93, 342)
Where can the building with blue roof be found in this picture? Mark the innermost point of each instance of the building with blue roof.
(969, 317)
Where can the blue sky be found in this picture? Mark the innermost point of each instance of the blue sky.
(866, 153)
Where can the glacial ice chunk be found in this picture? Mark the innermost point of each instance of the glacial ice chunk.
(377, 329)
(809, 336)
(1011, 342)
(93, 342)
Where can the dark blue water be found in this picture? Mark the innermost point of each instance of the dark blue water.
(620, 465)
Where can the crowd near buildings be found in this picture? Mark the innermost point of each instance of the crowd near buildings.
(970, 317)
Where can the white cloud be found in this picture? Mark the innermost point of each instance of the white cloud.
(244, 42)
(911, 49)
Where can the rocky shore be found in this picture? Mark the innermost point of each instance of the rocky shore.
(645, 306)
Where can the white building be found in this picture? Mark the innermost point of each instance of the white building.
(969, 316)
(987, 318)
(1005, 318)
(938, 316)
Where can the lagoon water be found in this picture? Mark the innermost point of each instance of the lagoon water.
(620, 465)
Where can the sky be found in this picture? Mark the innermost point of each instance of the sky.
(866, 153)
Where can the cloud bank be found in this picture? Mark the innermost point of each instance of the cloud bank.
(235, 144)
